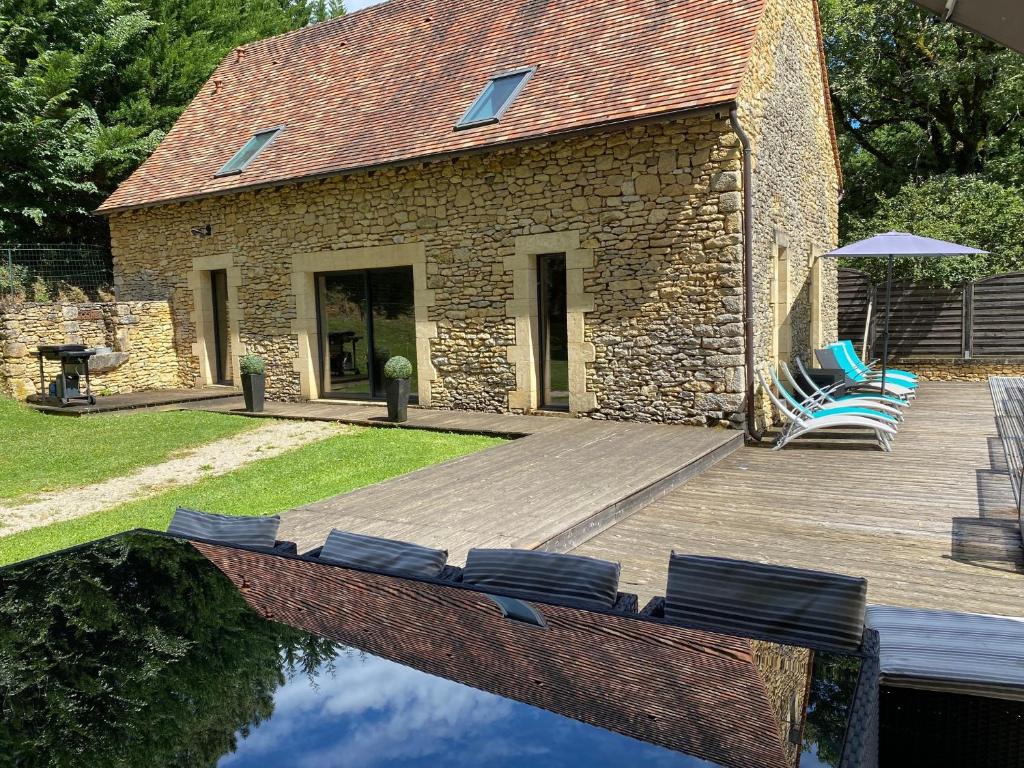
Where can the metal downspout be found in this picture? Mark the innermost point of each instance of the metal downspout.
(748, 275)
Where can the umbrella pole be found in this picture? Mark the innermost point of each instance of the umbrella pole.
(888, 312)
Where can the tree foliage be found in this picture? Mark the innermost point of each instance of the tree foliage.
(960, 209)
(914, 99)
(89, 87)
(136, 651)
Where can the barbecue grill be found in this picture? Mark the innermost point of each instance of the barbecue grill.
(74, 364)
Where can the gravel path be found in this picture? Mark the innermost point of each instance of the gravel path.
(216, 458)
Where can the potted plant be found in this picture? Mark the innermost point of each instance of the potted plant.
(398, 371)
(253, 371)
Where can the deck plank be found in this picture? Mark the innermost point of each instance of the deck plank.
(931, 525)
(568, 475)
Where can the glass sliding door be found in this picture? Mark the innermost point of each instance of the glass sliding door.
(393, 322)
(554, 332)
(366, 316)
(344, 338)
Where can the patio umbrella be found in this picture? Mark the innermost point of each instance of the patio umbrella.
(892, 245)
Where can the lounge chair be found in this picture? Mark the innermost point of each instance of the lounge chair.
(829, 357)
(871, 369)
(821, 399)
(259, 532)
(883, 413)
(802, 420)
(548, 577)
(371, 553)
(813, 390)
(794, 606)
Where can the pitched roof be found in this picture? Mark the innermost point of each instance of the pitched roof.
(690, 691)
(387, 84)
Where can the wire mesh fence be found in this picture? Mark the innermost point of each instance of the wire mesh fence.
(55, 272)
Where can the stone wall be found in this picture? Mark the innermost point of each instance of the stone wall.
(655, 208)
(139, 333)
(959, 369)
(784, 108)
(785, 671)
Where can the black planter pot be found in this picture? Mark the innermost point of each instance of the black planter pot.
(398, 399)
(253, 385)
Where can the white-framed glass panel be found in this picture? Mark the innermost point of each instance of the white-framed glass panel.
(499, 93)
(248, 152)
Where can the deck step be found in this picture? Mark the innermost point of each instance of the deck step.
(605, 518)
(1008, 401)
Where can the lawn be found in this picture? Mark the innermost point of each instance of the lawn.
(351, 460)
(39, 452)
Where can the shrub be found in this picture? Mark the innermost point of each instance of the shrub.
(398, 368)
(251, 365)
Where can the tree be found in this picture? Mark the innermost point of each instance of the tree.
(915, 98)
(961, 209)
(89, 87)
(833, 686)
(54, 144)
(136, 651)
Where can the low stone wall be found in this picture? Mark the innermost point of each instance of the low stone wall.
(139, 333)
(960, 369)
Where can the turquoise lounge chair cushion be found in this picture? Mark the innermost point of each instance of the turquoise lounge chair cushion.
(853, 411)
(867, 395)
(861, 366)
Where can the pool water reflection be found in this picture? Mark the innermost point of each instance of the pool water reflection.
(144, 650)
(361, 711)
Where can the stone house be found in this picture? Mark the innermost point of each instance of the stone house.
(614, 209)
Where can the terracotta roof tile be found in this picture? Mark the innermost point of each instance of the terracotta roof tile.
(687, 690)
(387, 84)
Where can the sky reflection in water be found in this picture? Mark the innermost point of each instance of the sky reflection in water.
(370, 712)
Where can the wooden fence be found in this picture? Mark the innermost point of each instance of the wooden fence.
(980, 319)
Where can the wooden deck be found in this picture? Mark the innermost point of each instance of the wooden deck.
(132, 401)
(931, 525)
(370, 414)
(564, 482)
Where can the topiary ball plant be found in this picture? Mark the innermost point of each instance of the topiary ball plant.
(398, 368)
(251, 365)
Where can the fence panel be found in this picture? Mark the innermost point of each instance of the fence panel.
(54, 272)
(926, 322)
(981, 319)
(854, 299)
(998, 316)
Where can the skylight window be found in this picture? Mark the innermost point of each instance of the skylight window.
(499, 93)
(248, 152)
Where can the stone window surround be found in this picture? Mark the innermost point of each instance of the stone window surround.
(523, 309)
(781, 298)
(817, 335)
(306, 266)
(204, 348)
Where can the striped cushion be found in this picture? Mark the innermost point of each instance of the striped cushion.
(786, 605)
(543, 576)
(398, 558)
(230, 529)
(965, 653)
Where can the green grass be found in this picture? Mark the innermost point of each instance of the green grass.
(40, 452)
(313, 472)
